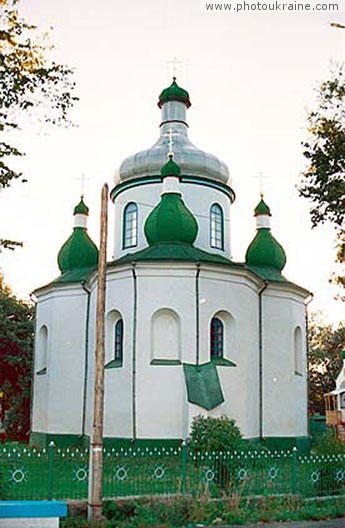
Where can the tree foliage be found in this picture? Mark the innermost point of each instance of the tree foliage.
(31, 84)
(324, 361)
(16, 352)
(323, 182)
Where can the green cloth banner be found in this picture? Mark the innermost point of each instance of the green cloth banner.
(203, 385)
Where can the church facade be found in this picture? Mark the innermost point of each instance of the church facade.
(188, 330)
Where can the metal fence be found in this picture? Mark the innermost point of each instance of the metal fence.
(27, 473)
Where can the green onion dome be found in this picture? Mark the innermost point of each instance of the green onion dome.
(262, 208)
(174, 93)
(81, 208)
(171, 220)
(265, 251)
(170, 168)
(79, 251)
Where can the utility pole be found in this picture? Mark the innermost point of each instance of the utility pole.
(96, 445)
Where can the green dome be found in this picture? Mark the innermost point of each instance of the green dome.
(81, 208)
(265, 251)
(170, 168)
(79, 251)
(262, 208)
(174, 93)
(171, 221)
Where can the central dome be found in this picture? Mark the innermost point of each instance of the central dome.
(173, 102)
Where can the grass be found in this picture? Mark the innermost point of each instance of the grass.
(230, 510)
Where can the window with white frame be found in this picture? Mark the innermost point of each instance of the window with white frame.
(216, 226)
(130, 225)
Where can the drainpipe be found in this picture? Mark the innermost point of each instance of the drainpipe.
(134, 349)
(86, 355)
(197, 311)
(261, 385)
(309, 299)
(34, 300)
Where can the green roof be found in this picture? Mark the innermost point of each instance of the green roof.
(174, 93)
(171, 221)
(262, 208)
(174, 252)
(267, 273)
(265, 251)
(170, 168)
(81, 208)
(79, 251)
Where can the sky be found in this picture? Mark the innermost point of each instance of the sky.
(251, 76)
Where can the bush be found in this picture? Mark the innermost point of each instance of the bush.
(327, 444)
(214, 434)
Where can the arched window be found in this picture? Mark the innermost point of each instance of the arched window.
(298, 363)
(114, 340)
(216, 227)
(217, 338)
(118, 344)
(130, 225)
(42, 350)
(166, 337)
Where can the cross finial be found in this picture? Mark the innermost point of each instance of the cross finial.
(261, 177)
(171, 142)
(82, 179)
(174, 63)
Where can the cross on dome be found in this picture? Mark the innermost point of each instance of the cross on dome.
(82, 179)
(174, 63)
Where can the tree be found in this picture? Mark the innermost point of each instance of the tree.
(31, 84)
(323, 182)
(324, 362)
(16, 352)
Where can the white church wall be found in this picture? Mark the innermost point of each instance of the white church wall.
(39, 418)
(57, 399)
(284, 390)
(233, 298)
(161, 393)
(197, 198)
(67, 360)
(118, 381)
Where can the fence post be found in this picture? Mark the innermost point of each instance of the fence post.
(294, 469)
(51, 448)
(184, 466)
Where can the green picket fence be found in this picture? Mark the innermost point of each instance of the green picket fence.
(27, 473)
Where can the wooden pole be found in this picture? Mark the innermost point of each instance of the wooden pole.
(96, 445)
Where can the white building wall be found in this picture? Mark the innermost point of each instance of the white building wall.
(236, 295)
(40, 403)
(197, 198)
(58, 394)
(284, 391)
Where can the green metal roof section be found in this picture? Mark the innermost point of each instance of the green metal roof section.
(171, 221)
(203, 385)
(170, 168)
(262, 208)
(174, 252)
(264, 251)
(75, 275)
(81, 208)
(267, 273)
(174, 93)
(79, 251)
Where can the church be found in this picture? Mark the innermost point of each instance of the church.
(188, 331)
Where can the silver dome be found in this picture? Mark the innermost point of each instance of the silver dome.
(192, 161)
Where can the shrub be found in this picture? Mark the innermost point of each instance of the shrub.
(214, 434)
(327, 444)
